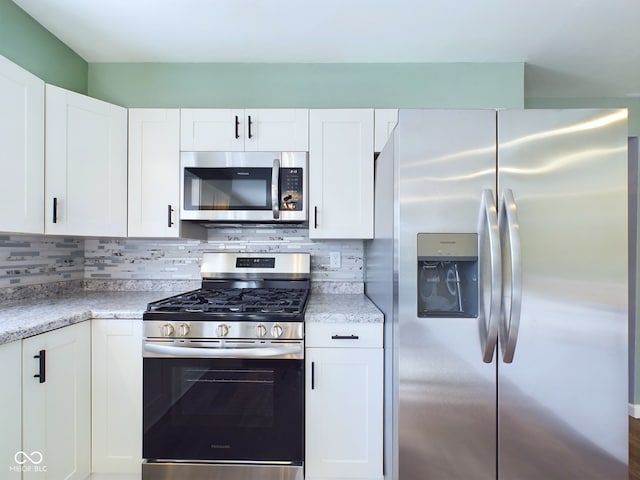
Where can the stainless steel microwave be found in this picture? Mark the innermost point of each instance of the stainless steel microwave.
(244, 186)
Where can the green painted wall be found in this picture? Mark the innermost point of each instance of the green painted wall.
(226, 85)
(28, 44)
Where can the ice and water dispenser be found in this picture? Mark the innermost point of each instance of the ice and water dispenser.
(447, 275)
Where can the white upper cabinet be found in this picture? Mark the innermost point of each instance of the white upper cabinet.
(22, 152)
(341, 173)
(154, 172)
(225, 130)
(86, 165)
(277, 130)
(384, 123)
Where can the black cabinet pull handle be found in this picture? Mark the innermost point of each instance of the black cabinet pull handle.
(249, 126)
(313, 375)
(55, 209)
(345, 337)
(169, 212)
(237, 126)
(42, 373)
(315, 217)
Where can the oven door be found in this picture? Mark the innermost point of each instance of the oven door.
(222, 409)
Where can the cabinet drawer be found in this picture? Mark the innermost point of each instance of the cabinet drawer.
(335, 335)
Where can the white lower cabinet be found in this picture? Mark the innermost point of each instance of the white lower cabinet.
(11, 408)
(56, 403)
(344, 401)
(117, 395)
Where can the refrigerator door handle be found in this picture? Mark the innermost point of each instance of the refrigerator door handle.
(489, 330)
(512, 287)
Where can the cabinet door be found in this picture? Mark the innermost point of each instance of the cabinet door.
(11, 408)
(216, 130)
(57, 412)
(116, 395)
(154, 173)
(22, 152)
(384, 123)
(86, 165)
(343, 413)
(341, 173)
(277, 130)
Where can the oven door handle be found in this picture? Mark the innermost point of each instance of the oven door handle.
(260, 352)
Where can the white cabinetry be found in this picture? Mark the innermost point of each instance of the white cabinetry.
(86, 165)
(344, 401)
(154, 173)
(385, 121)
(57, 411)
(341, 173)
(117, 395)
(226, 130)
(22, 152)
(11, 408)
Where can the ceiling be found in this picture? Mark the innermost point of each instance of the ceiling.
(572, 48)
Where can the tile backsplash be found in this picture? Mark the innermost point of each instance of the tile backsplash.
(152, 264)
(26, 260)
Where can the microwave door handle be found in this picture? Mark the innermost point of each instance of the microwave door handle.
(275, 180)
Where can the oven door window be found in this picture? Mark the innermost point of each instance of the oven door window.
(223, 409)
(227, 188)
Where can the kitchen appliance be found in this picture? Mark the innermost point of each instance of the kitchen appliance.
(223, 372)
(500, 263)
(266, 187)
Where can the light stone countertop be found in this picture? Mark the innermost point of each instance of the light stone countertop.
(25, 319)
(342, 308)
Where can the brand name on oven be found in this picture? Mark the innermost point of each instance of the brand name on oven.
(218, 446)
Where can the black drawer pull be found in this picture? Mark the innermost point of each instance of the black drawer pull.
(55, 209)
(42, 374)
(313, 375)
(345, 337)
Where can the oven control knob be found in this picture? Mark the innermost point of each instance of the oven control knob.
(183, 329)
(166, 329)
(222, 330)
(261, 330)
(276, 330)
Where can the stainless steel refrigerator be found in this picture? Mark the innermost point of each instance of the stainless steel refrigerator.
(500, 263)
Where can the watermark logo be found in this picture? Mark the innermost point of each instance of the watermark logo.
(28, 462)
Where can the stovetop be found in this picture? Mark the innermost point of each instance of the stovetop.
(259, 287)
(287, 304)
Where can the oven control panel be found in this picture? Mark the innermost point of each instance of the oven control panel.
(224, 329)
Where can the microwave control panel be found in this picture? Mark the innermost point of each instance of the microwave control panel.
(291, 186)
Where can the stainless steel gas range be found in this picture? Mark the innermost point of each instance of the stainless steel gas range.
(223, 372)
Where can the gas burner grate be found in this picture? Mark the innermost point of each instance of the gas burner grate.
(236, 300)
